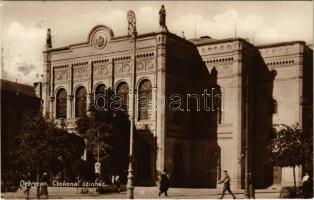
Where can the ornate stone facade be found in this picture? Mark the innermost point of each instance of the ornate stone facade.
(193, 146)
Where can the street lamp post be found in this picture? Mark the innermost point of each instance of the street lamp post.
(132, 31)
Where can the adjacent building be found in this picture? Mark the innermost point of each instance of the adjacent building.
(16, 101)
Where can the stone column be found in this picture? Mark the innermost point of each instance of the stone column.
(89, 103)
(110, 71)
(51, 110)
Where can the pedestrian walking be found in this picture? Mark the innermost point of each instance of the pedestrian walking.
(117, 181)
(307, 186)
(44, 187)
(226, 181)
(79, 183)
(28, 186)
(164, 183)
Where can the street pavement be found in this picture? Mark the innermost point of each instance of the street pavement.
(140, 193)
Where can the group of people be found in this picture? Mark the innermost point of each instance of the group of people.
(43, 190)
(165, 184)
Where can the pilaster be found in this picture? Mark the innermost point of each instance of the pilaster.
(160, 92)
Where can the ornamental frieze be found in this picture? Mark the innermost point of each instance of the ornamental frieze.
(271, 51)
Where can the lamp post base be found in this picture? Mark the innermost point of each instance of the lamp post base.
(130, 183)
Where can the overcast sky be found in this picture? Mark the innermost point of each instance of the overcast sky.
(24, 25)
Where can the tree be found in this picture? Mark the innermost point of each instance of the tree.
(41, 143)
(70, 147)
(107, 135)
(289, 148)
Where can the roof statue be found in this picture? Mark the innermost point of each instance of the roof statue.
(162, 18)
(48, 39)
(131, 22)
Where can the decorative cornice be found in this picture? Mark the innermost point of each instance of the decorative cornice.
(80, 63)
(99, 61)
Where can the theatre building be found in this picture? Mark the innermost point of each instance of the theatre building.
(247, 85)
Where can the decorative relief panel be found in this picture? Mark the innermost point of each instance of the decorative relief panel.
(104, 70)
(118, 68)
(101, 70)
(126, 68)
(97, 71)
(80, 72)
(122, 68)
(61, 74)
(140, 66)
(149, 65)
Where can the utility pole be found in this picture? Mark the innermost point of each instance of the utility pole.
(132, 31)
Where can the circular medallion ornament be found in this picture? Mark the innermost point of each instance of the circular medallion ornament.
(100, 40)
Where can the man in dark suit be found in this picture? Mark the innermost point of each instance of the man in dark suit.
(226, 182)
(164, 183)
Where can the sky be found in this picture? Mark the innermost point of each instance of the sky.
(24, 24)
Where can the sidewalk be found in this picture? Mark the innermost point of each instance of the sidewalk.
(140, 193)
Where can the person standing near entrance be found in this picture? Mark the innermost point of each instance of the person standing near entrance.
(164, 183)
(226, 181)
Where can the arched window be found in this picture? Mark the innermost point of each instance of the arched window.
(100, 96)
(80, 102)
(61, 102)
(145, 100)
(101, 89)
(123, 91)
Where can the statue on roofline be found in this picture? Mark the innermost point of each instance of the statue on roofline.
(48, 39)
(162, 18)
